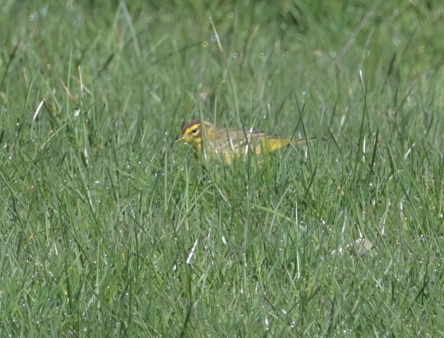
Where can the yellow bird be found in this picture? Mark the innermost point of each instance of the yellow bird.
(228, 143)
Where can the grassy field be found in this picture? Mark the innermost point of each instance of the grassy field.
(109, 228)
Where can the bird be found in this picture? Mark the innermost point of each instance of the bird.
(228, 143)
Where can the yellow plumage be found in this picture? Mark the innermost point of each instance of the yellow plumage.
(228, 143)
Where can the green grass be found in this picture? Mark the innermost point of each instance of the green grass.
(108, 227)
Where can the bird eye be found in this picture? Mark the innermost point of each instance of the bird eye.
(194, 131)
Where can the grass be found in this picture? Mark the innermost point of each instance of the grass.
(111, 228)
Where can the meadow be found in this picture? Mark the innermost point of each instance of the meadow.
(109, 227)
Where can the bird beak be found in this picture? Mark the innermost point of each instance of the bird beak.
(183, 138)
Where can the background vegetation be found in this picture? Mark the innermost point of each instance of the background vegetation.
(110, 228)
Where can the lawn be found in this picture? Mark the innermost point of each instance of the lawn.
(110, 227)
